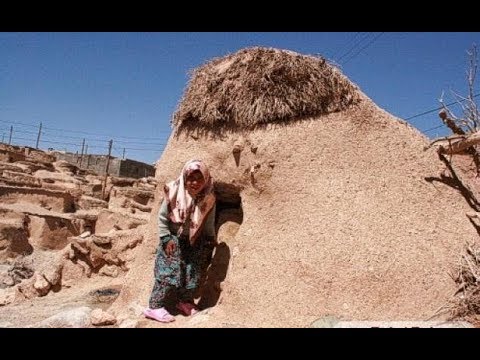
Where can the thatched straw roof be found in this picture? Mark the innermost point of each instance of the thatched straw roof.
(262, 85)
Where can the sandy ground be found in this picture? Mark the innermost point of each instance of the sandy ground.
(30, 312)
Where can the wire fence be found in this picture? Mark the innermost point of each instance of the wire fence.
(56, 139)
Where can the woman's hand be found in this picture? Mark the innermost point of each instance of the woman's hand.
(170, 248)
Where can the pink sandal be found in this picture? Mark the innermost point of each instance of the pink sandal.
(161, 315)
(187, 309)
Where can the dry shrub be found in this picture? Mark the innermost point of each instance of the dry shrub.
(466, 303)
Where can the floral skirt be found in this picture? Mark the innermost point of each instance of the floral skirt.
(181, 271)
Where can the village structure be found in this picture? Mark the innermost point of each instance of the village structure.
(116, 166)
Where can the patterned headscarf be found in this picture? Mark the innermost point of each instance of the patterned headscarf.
(182, 206)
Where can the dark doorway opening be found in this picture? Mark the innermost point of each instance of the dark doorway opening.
(228, 209)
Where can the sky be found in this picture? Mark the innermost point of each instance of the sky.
(125, 86)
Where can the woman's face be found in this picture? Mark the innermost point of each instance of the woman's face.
(194, 182)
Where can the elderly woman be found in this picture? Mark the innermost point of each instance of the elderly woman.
(186, 227)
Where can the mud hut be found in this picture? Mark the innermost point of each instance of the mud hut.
(327, 204)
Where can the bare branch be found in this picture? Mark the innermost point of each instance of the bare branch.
(468, 123)
(460, 145)
(446, 138)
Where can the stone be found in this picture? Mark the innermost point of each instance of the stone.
(6, 296)
(53, 272)
(98, 317)
(41, 284)
(109, 270)
(74, 318)
(71, 273)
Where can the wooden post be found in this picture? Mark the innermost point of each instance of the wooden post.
(81, 154)
(10, 138)
(38, 137)
(110, 143)
(87, 155)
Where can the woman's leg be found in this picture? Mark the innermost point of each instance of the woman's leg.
(167, 272)
(193, 258)
(156, 309)
(158, 295)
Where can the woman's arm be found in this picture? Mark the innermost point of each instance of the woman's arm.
(163, 229)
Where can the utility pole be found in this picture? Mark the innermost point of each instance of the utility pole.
(110, 143)
(81, 155)
(123, 156)
(10, 138)
(88, 156)
(38, 137)
(3, 137)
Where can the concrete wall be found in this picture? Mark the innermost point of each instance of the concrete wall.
(117, 167)
(98, 163)
(135, 169)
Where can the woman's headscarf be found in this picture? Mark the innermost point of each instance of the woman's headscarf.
(182, 206)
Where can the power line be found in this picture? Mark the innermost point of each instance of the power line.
(92, 140)
(15, 137)
(439, 108)
(20, 131)
(436, 109)
(106, 135)
(348, 43)
(46, 141)
(101, 140)
(47, 135)
(363, 48)
(365, 36)
(74, 137)
(434, 128)
(18, 123)
(86, 132)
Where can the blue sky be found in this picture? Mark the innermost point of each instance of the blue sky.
(126, 86)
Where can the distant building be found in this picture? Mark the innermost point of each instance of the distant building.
(116, 167)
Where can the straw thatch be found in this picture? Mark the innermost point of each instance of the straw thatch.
(262, 85)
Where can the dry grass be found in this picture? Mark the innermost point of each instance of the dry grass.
(262, 85)
(466, 305)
